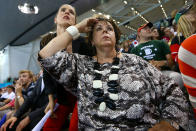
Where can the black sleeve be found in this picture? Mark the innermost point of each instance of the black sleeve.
(48, 80)
(177, 40)
(36, 113)
(25, 106)
(49, 83)
(30, 91)
(28, 102)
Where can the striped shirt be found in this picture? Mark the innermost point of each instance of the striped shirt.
(187, 65)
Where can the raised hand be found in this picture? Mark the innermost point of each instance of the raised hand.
(85, 25)
(18, 86)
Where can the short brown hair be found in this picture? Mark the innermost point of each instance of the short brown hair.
(11, 87)
(111, 21)
(27, 71)
(123, 43)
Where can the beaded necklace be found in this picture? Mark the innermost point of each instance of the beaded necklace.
(106, 100)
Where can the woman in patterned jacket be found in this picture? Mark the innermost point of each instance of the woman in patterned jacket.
(116, 91)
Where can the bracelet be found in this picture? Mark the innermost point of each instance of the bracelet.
(73, 31)
(175, 125)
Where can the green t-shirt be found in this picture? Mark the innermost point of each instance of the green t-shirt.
(152, 50)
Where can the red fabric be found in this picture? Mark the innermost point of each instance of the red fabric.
(174, 51)
(194, 112)
(74, 119)
(55, 124)
(11, 103)
(187, 69)
(166, 38)
(191, 90)
(189, 44)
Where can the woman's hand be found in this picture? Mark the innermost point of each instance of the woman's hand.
(23, 123)
(162, 126)
(18, 87)
(50, 105)
(85, 25)
(158, 64)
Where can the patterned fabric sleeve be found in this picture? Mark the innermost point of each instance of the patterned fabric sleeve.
(169, 98)
(63, 67)
(175, 108)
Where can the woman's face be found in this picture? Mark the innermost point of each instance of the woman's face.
(103, 35)
(168, 32)
(145, 32)
(126, 44)
(66, 16)
(155, 33)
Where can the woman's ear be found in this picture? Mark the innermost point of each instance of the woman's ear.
(92, 42)
(55, 20)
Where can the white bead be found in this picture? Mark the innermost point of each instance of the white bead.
(113, 96)
(113, 77)
(102, 106)
(97, 84)
(97, 71)
(116, 67)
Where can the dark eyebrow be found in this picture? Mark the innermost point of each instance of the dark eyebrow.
(72, 10)
(63, 8)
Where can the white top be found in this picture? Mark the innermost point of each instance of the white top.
(42, 86)
(8, 96)
(4, 94)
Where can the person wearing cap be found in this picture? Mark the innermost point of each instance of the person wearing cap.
(156, 52)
